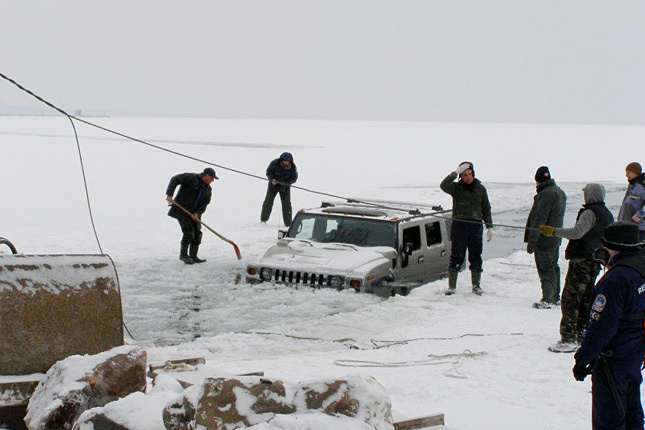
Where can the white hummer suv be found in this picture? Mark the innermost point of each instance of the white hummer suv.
(383, 248)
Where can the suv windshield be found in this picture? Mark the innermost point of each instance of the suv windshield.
(354, 231)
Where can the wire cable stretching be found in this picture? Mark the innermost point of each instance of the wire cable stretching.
(161, 148)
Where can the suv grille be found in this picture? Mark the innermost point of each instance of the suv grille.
(302, 278)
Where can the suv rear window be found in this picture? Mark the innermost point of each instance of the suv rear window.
(433, 233)
(353, 231)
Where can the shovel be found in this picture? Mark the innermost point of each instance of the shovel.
(237, 249)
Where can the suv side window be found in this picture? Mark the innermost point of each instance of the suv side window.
(412, 235)
(433, 233)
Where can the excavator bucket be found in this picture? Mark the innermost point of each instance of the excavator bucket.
(54, 306)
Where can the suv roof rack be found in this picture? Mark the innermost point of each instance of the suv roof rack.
(412, 208)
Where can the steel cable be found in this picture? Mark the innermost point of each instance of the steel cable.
(161, 148)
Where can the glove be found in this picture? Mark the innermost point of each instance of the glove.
(530, 248)
(580, 372)
(462, 168)
(547, 230)
(489, 234)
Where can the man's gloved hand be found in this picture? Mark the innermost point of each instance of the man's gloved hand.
(580, 372)
(530, 248)
(489, 234)
(547, 230)
(462, 168)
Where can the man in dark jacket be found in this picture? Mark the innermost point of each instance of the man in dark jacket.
(470, 207)
(194, 195)
(282, 172)
(584, 238)
(614, 343)
(548, 209)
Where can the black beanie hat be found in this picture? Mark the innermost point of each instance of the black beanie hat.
(622, 236)
(542, 174)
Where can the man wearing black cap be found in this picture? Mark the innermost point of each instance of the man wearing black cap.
(470, 208)
(282, 172)
(194, 195)
(548, 209)
(614, 343)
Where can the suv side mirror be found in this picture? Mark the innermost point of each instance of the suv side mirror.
(282, 234)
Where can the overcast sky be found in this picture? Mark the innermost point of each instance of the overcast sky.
(481, 60)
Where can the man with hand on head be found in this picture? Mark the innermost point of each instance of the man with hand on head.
(470, 208)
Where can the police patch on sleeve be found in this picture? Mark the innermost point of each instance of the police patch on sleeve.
(599, 303)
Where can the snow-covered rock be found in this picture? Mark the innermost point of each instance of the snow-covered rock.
(81, 382)
(245, 402)
(179, 414)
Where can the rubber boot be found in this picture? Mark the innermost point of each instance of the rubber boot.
(452, 283)
(476, 279)
(183, 254)
(193, 254)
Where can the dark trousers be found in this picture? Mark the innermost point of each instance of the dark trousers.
(285, 198)
(466, 236)
(627, 377)
(576, 299)
(192, 232)
(546, 261)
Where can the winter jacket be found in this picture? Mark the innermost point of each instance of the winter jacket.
(469, 201)
(194, 194)
(633, 202)
(616, 319)
(548, 209)
(284, 175)
(592, 219)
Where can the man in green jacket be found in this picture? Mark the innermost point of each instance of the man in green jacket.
(548, 209)
(470, 207)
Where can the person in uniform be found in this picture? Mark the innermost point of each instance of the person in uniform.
(614, 343)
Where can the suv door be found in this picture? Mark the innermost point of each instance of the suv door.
(437, 249)
(412, 268)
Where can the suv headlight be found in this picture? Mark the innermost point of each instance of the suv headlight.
(335, 281)
(266, 274)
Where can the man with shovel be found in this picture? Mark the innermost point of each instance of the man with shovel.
(194, 195)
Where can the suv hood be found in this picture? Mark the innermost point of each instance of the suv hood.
(333, 257)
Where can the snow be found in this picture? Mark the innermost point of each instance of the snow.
(419, 343)
(40, 272)
(136, 411)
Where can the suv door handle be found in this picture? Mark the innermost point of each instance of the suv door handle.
(421, 259)
(443, 253)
